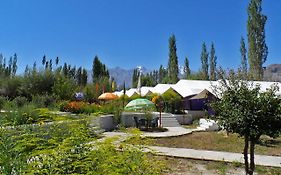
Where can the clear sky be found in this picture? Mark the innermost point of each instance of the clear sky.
(128, 33)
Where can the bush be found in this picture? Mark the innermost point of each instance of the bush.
(20, 101)
(3, 100)
(43, 101)
(26, 114)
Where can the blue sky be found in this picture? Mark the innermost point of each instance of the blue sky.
(128, 33)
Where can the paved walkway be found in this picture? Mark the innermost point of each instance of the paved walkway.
(263, 160)
(172, 132)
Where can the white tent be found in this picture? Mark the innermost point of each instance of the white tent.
(162, 88)
(146, 90)
(192, 87)
(131, 92)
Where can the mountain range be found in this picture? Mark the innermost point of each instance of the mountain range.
(273, 73)
(121, 75)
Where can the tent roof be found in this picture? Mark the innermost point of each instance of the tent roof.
(162, 88)
(192, 87)
(131, 92)
(202, 95)
(146, 90)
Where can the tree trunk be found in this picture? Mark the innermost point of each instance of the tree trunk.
(245, 152)
(252, 157)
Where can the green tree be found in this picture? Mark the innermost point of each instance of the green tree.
(162, 74)
(84, 78)
(64, 88)
(258, 50)
(14, 65)
(243, 109)
(173, 68)
(44, 60)
(213, 63)
(57, 61)
(243, 52)
(186, 68)
(204, 62)
(79, 76)
(65, 70)
(97, 69)
(135, 78)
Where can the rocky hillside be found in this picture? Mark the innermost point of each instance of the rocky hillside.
(273, 72)
(120, 75)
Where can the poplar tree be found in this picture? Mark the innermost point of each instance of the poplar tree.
(57, 61)
(79, 76)
(186, 68)
(173, 68)
(135, 78)
(96, 70)
(84, 77)
(258, 50)
(243, 52)
(162, 74)
(213, 63)
(204, 62)
(44, 60)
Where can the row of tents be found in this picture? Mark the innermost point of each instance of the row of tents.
(193, 92)
(187, 88)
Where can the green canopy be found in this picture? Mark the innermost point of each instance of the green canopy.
(139, 104)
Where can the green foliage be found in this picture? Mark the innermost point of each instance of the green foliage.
(243, 52)
(187, 70)
(257, 47)
(65, 149)
(43, 101)
(163, 74)
(26, 114)
(173, 67)
(11, 87)
(204, 62)
(64, 88)
(3, 100)
(172, 101)
(99, 70)
(213, 63)
(20, 101)
(38, 83)
(243, 109)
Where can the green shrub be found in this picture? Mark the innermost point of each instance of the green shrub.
(20, 101)
(43, 101)
(3, 100)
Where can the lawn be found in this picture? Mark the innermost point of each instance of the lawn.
(180, 166)
(218, 141)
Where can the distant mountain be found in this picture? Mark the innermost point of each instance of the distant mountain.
(273, 73)
(120, 75)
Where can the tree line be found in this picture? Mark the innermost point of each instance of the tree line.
(171, 73)
(51, 78)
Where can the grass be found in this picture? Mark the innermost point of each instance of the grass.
(218, 141)
(179, 166)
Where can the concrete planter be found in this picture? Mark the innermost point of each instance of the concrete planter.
(107, 122)
(127, 118)
(184, 119)
(195, 114)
